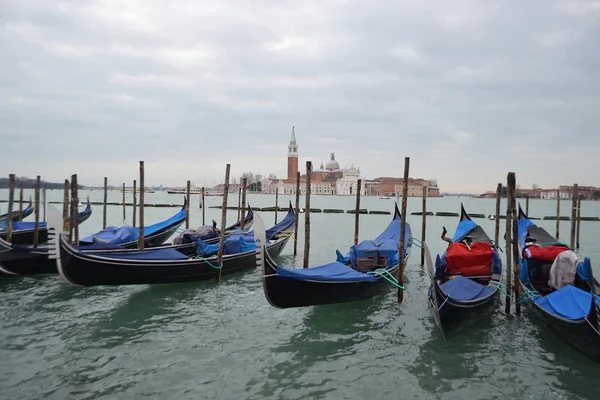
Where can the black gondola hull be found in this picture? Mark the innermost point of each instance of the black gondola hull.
(581, 335)
(455, 316)
(287, 293)
(86, 270)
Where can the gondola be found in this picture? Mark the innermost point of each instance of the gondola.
(362, 274)
(165, 265)
(465, 284)
(23, 232)
(572, 311)
(127, 236)
(26, 212)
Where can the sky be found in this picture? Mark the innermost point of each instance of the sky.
(469, 90)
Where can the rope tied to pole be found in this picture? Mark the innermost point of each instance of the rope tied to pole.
(387, 275)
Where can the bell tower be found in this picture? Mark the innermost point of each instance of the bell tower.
(292, 156)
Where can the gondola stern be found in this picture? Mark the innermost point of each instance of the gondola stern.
(397, 214)
(522, 214)
(464, 216)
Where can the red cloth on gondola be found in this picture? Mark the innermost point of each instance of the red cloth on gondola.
(544, 253)
(477, 262)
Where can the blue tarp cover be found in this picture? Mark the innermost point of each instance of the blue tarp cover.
(567, 302)
(386, 244)
(332, 272)
(465, 289)
(463, 229)
(159, 254)
(19, 226)
(522, 226)
(114, 235)
(282, 225)
(148, 230)
(242, 241)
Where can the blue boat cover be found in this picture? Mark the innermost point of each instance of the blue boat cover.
(523, 224)
(242, 241)
(568, 302)
(463, 229)
(386, 244)
(282, 225)
(158, 254)
(20, 226)
(114, 235)
(126, 235)
(332, 272)
(465, 289)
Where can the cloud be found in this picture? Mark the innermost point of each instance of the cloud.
(484, 87)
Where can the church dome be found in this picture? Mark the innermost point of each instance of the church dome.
(332, 165)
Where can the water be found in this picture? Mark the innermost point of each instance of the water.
(207, 341)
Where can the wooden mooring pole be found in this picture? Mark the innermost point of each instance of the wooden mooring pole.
(400, 277)
(357, 211)
(276, 202)
(187, 205)
(20, 204)
(515, 243)
(497, 226)
(239, 201)
(557, 213)
(527, 205)
(44, 203)
(307, 216)
(243, 215)
(124, 215)
(297, 212)
(575, 196)
(424, 224)
(142, 191)
(72, 212)
(105, 201)
(202, 205)
(507, 247)
(134, 203)
(75, 209)
(11, 200)
(578, 221)
(224, 224)
(36, 196)
(66, 219)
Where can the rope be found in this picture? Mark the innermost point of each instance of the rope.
(414, 239)
(208, 262)
(440, 307)
(414, 244)
(501, 287)
(387, 275)
(593, 327)
(529, 295)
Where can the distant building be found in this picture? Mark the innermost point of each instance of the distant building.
(327, 179)
(389, 186)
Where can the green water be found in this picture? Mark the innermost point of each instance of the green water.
(204, 341)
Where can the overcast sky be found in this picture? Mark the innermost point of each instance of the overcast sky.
(469, 90)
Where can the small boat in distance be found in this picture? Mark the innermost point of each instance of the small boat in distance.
(137, 190)
(384, 197)
(184, 191)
